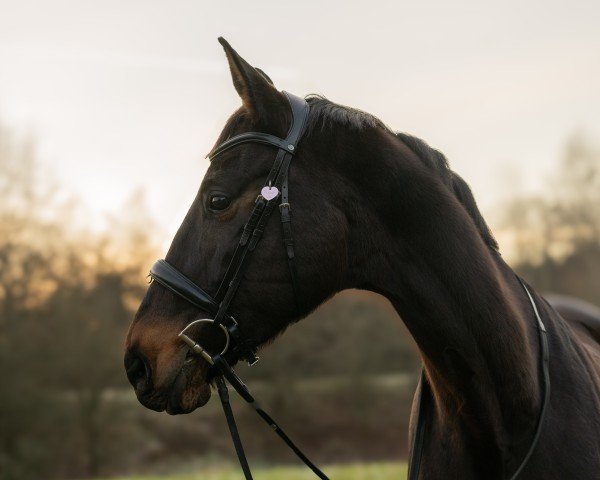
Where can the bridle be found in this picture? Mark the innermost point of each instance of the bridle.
(276, 182)
(275, 193)
(236, 345)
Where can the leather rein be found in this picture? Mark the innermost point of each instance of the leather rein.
(236, 345)
(425, 398)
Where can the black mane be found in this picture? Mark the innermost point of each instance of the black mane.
(324, 113)
(436, 160)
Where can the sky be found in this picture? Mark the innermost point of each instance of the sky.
(129, 94)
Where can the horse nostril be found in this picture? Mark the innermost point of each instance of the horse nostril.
(138, 371)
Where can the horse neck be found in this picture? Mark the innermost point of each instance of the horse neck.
(461, 303)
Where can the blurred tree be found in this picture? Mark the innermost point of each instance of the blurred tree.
(557, 233)
(25, 276)
(64, 311)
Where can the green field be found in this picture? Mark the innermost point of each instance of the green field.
(365, 471)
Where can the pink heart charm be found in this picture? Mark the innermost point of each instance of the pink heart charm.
(269, 193)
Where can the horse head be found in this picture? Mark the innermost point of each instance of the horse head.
(158, 363)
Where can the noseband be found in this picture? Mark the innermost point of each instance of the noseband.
(275, 193)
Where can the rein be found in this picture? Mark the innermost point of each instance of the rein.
(276, 192)
(425, 397)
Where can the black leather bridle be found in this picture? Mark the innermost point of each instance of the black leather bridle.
(236, 346)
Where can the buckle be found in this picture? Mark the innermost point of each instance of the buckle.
(285, 205)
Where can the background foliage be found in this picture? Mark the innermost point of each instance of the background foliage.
(67, 295)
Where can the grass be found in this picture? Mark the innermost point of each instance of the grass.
(361, 471)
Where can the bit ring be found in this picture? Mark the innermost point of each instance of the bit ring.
(195, 347)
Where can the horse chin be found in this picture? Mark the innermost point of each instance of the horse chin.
(190, 389)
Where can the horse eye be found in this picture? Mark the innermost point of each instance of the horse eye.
(218, 202)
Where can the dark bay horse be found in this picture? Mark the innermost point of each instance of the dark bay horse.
(379, 211)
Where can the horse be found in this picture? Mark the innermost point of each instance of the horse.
(380, 211)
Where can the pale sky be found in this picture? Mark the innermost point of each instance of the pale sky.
(129, 94)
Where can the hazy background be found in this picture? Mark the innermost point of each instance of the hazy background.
(123, 94)
(106, 112)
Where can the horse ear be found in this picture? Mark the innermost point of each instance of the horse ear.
(264, 75)
(255, 88)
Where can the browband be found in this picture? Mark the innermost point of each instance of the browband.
(299, 112)
(255, 137)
